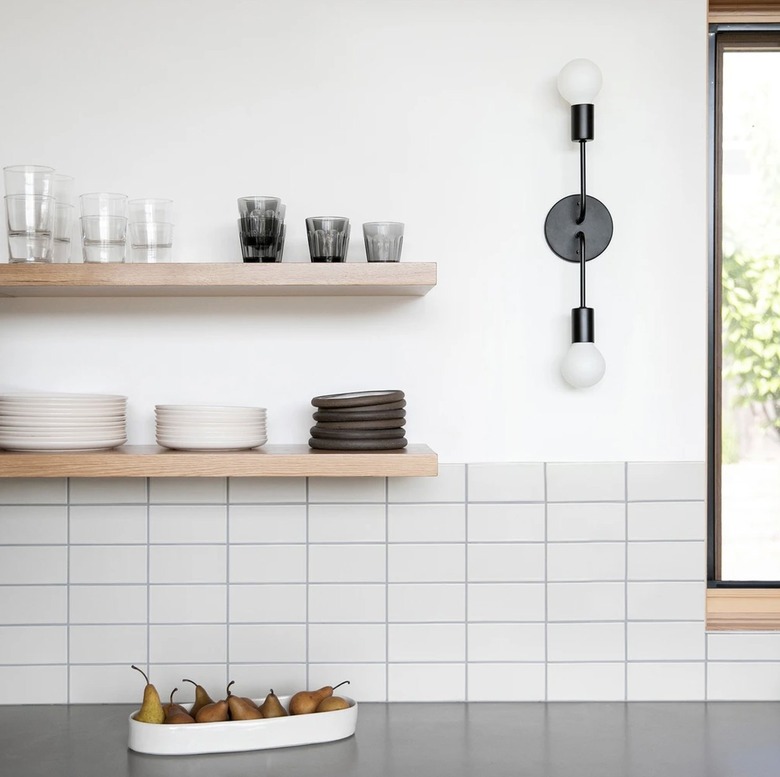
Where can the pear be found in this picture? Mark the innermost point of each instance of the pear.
(175, 713)
(305, 702)
(272, 707)
(216, 711)
(242, 708)
(151, 709)
(201, 697)
(332, 703)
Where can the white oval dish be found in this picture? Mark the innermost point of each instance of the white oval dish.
(232, 736)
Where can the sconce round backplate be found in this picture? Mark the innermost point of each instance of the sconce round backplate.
(561, 228)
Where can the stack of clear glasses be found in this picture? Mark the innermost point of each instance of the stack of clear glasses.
(261, 228)
(30, 212)
(151, 230)
(104, 227)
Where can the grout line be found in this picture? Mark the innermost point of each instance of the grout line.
(387, 589)
(546, 589)
(148, 574)
(466, 582)
(67, 593)
(306, 579)
(706, 665)
(625, 584)
(227, 581)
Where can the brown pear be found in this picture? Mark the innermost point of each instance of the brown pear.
(216, 711)
(332, 703)
(304, 702)
(175, 713)
(242, 708)
(151, 709)
(202, 697)
(272, 707)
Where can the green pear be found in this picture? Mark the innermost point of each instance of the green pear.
(151, 708)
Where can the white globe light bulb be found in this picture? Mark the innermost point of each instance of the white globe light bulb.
(579, 81)
(583, 365)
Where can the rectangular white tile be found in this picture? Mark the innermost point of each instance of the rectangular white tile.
(187, 604)
(187, 491)
(667, 521)
(666, 561)
(426, 563)
(185, 643)
(347, 642)
(666, 682)
(427, 602)
(506, 601)
(264, 644)
(426, 682)
(586, 682)
(268, 603)
(506, 482)
(347, 490)
(506, 642)
(20, 565)
(34, 524)
(586, 561)
(743, 646)
(108, 524)
(33, 644)
(347, 563)
(346, 603)
(33, 604)
(108, 644)
(586, 482)
(426, 523)
(574, 522)
(108, 564)
(666, 480)
(107, 491)
(586, 601)
(187, 523)
(448, 486)
(107, 685)
(33, 491)
(678, 641)
(743, 681)
(506, 563)
(256, 680)
(108, 604)
(267, 490)
(368, 682)
(586, 642)
(285, 523)
(33, 684)
(190, 564)
(666, 601)
(347, 523)
(506, 523)
(426, 642)
(267, 563)
(506, 682)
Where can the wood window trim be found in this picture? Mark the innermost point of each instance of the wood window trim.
(743, 609)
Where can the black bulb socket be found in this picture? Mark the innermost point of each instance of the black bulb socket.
(582, 121)
(583, 328)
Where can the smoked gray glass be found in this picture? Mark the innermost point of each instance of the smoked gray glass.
(30, 223)
(261, 228)
(384, 240)
(328, 238)
(261, 206)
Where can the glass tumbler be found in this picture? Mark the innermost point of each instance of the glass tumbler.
(104, 204)
(104, 238)
(28, 179)
(63, 231)
(30, 223)
(151, 242)
(384, 240)
(328, 238)
(150, 210)
(259, 206)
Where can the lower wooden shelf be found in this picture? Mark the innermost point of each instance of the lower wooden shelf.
(268, 461)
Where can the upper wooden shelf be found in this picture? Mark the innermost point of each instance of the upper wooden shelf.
(178, 279)
(268, 461)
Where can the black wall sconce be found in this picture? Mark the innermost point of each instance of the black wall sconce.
(578, 228)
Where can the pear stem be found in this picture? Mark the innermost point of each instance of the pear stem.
(185, 680)
(133, 666)
(228, 688)
(343, 682)
(172, 692)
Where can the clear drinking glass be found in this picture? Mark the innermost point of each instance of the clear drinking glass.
(63, 232)
(104, 204)
(64, 189)
(30, 222)
(328, 238)
(28, 179)
(104, 238)
(151, 242)
(150, 210)
(384, 240)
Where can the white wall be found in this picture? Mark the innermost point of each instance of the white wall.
(441, 114)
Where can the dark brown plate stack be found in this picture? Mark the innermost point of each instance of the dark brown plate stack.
(359, 421)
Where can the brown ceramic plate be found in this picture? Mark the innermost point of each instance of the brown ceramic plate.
(390, 423)
(358, 398)
(357, 445)
(356, 434)
(345, 415)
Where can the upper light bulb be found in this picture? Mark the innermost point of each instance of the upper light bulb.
(579, 81)
(583, 365)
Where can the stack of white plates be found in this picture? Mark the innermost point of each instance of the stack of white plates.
(210, 427)
(62, 422)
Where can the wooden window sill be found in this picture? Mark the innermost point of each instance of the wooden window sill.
(743, 609)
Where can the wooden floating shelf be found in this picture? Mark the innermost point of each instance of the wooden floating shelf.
(268, 461)
(177, 279)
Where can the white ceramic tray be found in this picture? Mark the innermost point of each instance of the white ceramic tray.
(240, 735)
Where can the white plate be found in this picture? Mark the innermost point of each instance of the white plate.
(209, 409)
(242, 735)
(97, 431)
(218, 428)
(210, 418)
(62, 397)
(182, 445)
(59, 445)
(32, 421)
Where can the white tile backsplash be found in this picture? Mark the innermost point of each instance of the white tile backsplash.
(415, 589)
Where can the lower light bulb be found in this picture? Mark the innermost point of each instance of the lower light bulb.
(583, 365)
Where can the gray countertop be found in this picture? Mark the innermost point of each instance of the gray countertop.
(688, 739)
